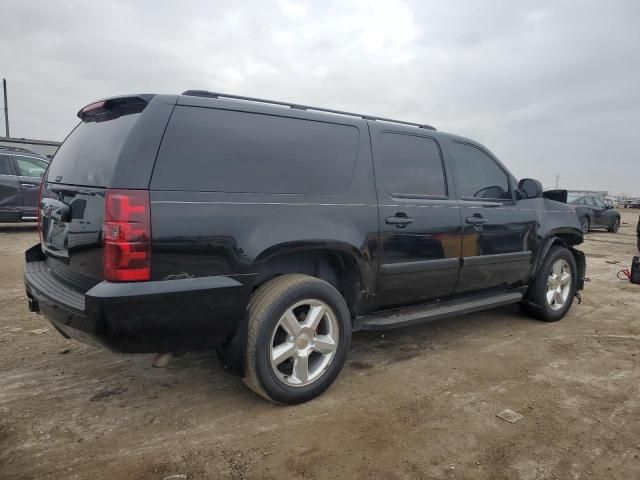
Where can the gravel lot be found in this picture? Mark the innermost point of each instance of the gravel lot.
(413, 403)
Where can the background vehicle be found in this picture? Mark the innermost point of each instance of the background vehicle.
(593, 212)
(226, 223)
(20, 174)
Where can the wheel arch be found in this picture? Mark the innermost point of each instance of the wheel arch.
(338, 263)
(568, 238)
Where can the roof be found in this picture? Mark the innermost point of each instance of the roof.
(296, 106)
(31, 141)
(5, 148)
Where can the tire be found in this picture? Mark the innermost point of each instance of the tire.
(537, 302)
(585, 224)
(272, 311)
(615, 225)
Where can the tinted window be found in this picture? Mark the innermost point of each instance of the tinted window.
(411, 165)
(5, 165)
(589, 201)
(88, 156)
(226, 151)
(478, 174)
(30, 167)
(599, 203)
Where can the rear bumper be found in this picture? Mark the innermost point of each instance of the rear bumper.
(160, 316)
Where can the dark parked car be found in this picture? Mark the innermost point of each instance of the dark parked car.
(20, 174)
(593, 212)
(270, 234)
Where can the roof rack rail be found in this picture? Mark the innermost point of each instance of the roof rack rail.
(205, 93)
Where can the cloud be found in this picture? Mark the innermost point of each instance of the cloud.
(551, 88)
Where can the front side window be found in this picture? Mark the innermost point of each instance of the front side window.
(5, 165)
(479, 176)
(599, 203)
(589, 201)
(31, 167)
(411, 165)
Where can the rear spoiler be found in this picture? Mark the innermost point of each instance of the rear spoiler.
(114, 107)
(556, 195)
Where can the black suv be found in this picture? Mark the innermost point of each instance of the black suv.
(20, 173)
(270, 232)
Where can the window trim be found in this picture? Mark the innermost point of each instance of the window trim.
(417, 196)
(497, 163)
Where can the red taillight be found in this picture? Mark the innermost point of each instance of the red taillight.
(126, 233)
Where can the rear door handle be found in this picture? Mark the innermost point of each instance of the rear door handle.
(400, 220)
(476, 220)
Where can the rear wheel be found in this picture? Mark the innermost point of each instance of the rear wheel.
(550, 296)
(585, 224)
(615, 225)
(298, 337)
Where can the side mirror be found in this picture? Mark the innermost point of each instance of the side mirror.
(530, 188)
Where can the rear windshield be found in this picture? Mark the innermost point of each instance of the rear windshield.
(88, 156)
(212, 150)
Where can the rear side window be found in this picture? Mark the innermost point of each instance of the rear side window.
(30, 167)
(89, 154)
(5, 165)
(411, 165)
(479, 176)
(214, 150)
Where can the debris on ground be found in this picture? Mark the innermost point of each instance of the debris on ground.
(509, 416)
(107, 393)
(162, 360)
(39, 331)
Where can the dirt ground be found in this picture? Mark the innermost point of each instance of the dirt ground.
(413, 403)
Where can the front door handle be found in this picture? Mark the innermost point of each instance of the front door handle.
(400, 220)
(477, 219)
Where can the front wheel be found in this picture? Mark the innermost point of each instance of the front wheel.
(299, 332)
(550, 296)
(615, 225)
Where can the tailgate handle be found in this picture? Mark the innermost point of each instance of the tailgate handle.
(54, 209)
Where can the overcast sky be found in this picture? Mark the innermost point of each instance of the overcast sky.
(550, 87)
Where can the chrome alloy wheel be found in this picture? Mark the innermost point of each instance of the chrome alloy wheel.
(304, 343)
(559, 284)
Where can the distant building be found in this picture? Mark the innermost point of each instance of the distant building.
(43, 147)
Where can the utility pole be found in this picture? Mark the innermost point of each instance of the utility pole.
(557, 181)
(6, 107)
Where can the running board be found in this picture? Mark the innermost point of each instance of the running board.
(423, 313)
